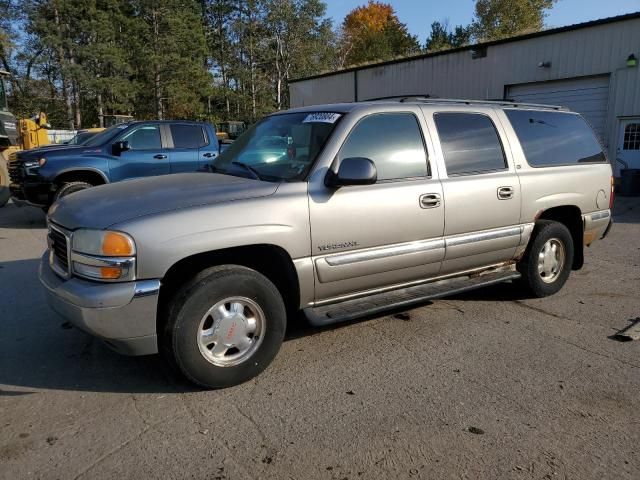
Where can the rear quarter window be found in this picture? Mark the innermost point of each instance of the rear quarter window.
(552, 139)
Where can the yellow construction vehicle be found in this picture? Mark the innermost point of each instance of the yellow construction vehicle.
(230, 130)
(16, 135)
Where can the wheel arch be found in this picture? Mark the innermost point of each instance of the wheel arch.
(571, 217)
(89, 175)
(270, 260)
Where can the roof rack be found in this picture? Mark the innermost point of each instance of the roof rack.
(433, 100)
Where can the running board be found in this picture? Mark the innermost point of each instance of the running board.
(402, 297)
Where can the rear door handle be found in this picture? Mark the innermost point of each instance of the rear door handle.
(209, 155)
(505, 193)
(160, 156)
(430, 200)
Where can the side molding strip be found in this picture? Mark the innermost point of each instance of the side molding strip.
(478, 237)
(385, 252)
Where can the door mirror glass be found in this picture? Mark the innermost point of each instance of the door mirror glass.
(353, 171)
(119, 147)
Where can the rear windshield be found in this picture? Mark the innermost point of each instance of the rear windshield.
(555, 138)
(279, 147)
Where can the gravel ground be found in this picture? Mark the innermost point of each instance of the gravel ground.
(482, 385)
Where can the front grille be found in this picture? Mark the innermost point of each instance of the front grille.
(58, 245)
(15, 172)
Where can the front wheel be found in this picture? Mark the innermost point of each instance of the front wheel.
(224, 327)
(68, 188)
(547, 262)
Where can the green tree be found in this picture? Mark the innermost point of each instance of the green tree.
(300, 40)
(496, 19)
(442, 38)
(168, 54)
(9, 15)
(374, 32)
(104, 68)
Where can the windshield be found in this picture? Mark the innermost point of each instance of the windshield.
(81, 138)
(106, 135)
(278, 148)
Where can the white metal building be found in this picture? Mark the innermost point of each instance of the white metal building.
(592, 68)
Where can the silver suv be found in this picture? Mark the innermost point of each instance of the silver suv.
(339, 211)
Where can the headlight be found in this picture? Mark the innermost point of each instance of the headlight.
(103, 255)
(31, 167)
(103, 243)
(42, 161)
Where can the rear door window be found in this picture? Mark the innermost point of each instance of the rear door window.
(470, 143)
(188, 136)
(551, 139)
(393, 142)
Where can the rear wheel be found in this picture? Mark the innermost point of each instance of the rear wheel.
(70, 187)
(224, 327)
(547, 262)
(5, 194)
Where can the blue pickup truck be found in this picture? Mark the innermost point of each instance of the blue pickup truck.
(127, 150)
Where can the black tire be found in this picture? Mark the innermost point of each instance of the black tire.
(70, 187)
(5, 194)
(185, 314)
(532, 279)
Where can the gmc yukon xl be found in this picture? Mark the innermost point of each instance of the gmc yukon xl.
(339, 211)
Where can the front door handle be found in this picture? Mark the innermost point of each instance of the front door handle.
(160, 156)
(430, 200)
(505, 193)
(209, 155)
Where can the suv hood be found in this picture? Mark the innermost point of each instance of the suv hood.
(106, 205)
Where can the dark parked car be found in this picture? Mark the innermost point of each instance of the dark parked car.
(123, 151)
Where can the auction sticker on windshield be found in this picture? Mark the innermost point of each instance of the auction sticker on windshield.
(322, 117)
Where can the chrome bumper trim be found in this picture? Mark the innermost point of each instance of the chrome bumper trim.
(144, 288)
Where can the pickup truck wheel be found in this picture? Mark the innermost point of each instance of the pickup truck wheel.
(70, 187)
(224, 327)
(547, 262)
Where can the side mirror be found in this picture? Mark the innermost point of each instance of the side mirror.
(353, 171)
(119, 147)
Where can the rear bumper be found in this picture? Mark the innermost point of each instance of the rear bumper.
(596, 225)
(121, 314)
(608, 229)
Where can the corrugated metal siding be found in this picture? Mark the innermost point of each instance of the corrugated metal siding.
(596, 50)
(586, 95)
(334, 89)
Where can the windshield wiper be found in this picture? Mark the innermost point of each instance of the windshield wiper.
(249, 169)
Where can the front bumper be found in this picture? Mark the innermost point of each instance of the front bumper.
(122, 314)
(31, 193)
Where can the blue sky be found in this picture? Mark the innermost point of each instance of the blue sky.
(418, 14)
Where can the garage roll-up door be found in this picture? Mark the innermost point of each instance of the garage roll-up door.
(588, 96)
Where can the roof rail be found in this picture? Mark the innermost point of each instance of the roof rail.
(433, 100)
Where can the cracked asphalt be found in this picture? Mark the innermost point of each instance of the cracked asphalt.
(482, 385)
